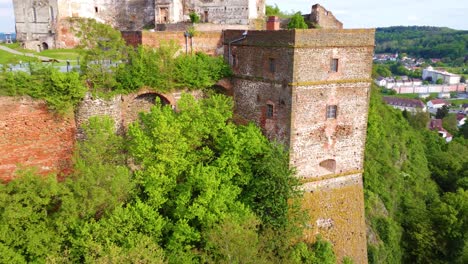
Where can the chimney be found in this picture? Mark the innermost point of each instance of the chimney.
(273, 23)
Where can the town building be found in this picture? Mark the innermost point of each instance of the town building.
(448, 78)
(410, 105)
(437, 103)
(436, 125)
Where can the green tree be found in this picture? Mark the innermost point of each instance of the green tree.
(297, 22)
(450, 123)
(440, 81)
(193, 170)
(102, 49)
(418, 120)
(442, 112)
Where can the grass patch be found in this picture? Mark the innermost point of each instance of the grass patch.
(9, 58)
(459, 101)
(61, 54)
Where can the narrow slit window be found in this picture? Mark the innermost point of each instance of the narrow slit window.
(34, 13)
(96, 10)
(272, 65)
(331, 111)
(334, 65)
(269, 113)
(51, 13)
(234, 60)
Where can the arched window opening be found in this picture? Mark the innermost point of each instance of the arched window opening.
(329, 164)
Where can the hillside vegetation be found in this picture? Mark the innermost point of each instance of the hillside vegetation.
(415, 191)
(424, 42)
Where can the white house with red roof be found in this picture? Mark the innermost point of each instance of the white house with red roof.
(461, 118)
(437, 103)
(436, 125)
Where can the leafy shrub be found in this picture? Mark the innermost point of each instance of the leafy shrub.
(194, 17)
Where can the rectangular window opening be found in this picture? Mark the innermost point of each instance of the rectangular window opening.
(269, 112)
(331, 111)
(96, 10)
(334, 65)
(234, 60)
(272, 65)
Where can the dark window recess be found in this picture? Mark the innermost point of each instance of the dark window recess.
(331, 111)
(334, 65)
(96, 10)
(272, 65)
(269, 112)
(328, 164)
(234, 60)
(34, 11)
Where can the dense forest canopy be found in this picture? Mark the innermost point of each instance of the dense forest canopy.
(415, 190)
(423, 42)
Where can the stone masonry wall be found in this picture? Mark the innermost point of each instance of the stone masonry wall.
(30, 135)
(322, 18)
(320, 68)
(316, 139)
(207, 42)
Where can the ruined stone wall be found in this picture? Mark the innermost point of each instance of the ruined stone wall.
(93, 106)
(207, 42)
(124, 15)
(35, 22)
(322, 18)
(240, 12)
(30, 135)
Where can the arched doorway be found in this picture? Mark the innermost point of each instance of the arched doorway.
(45, 46)
(142, 103)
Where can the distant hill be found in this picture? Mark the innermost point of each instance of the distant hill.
(425, 42)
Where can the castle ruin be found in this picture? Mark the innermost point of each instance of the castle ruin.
(43, 24)
(308, 89)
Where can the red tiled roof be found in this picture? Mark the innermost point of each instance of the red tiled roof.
(403, 102)
(460, 116)
(436, 124)
(439, 101)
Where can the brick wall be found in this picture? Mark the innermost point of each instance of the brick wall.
(30, 135)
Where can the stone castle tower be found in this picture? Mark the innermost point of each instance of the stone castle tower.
(310, 89)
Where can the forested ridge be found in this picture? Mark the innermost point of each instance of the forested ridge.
(415, 191)
(423, 42)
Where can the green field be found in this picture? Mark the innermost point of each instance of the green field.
(59, 54)
(7, 58)
(459, 101)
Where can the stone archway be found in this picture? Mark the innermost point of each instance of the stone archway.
(224, 86)
(45, 46)
(133, 104)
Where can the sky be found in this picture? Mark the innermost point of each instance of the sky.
(353, 13)
(374, 13)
